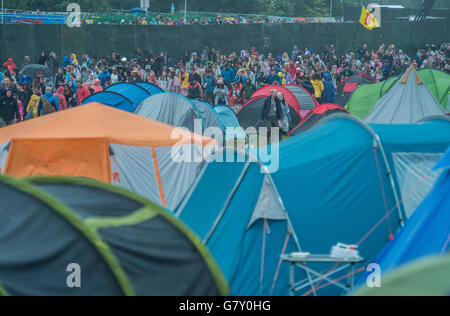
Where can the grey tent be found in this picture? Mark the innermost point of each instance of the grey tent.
(210, 117)
(230, 120)
(117, 242)
(172, 109)
(407, 102)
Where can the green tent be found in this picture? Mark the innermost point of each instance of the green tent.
(365, 97)
(117, 242)
(425, 277)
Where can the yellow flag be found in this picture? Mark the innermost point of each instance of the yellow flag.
(368, 20)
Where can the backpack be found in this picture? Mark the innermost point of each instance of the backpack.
(45, 107)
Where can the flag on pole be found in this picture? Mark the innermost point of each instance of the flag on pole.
(368, 20)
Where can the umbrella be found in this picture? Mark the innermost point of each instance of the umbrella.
(118, 66)
(36, 71)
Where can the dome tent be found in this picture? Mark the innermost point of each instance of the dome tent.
(210, 117)
(124, 149)
(132, 91)
(346, 88)
(304, 97)
(424, 277)
(289, 96)
(230, 120)
(113, 235)
(315, 115)
(151, 88)
(250, 115)
(112, 99)
(171, 108)
(124, 96)
(408, 101)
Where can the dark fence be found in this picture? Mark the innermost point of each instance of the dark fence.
(96, 40)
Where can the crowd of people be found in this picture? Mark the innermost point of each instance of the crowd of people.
(209, 75)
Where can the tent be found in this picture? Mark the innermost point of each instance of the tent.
(51, 226)
(427, 232)
(314, 116)
(337, 187)
(304, 97)
(438, 82)
(109, 145)
(365, 97)
(408, 101)
(210, 117)
(230, 120)
(346, 88)
(297, 97)
(134, 92)
(124, 96)
(250, 115)
(151, 88)
(426, 277)
(412, 151)
(112, 99)
(235, 209)
(172, 109)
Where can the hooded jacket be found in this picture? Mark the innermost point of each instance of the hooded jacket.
(97, 87)
(61, 98)
(318, 88)
(33, 106)
(9, 109)
(329, 92)
(66, 62)
(52, 100)
(82, 93)
(10, 65)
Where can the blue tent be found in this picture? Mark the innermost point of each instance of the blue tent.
(151, 88)
(412, 151)
(236, 210)
(335, 184)
(230, 120)
(428, 230)
(112, 99)
(133, 92)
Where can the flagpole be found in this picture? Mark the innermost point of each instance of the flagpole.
(331, 8)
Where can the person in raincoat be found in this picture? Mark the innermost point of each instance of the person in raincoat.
(318, 86)
(66, 62)
(329, 92)
(73, 59)
(82, 92)
(10, 65)
(286, 120)
(61, 99)
(51, 99)
(97, 87)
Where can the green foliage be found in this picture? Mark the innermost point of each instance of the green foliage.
(300, 8)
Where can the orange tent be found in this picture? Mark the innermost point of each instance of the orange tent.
(77, 142)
